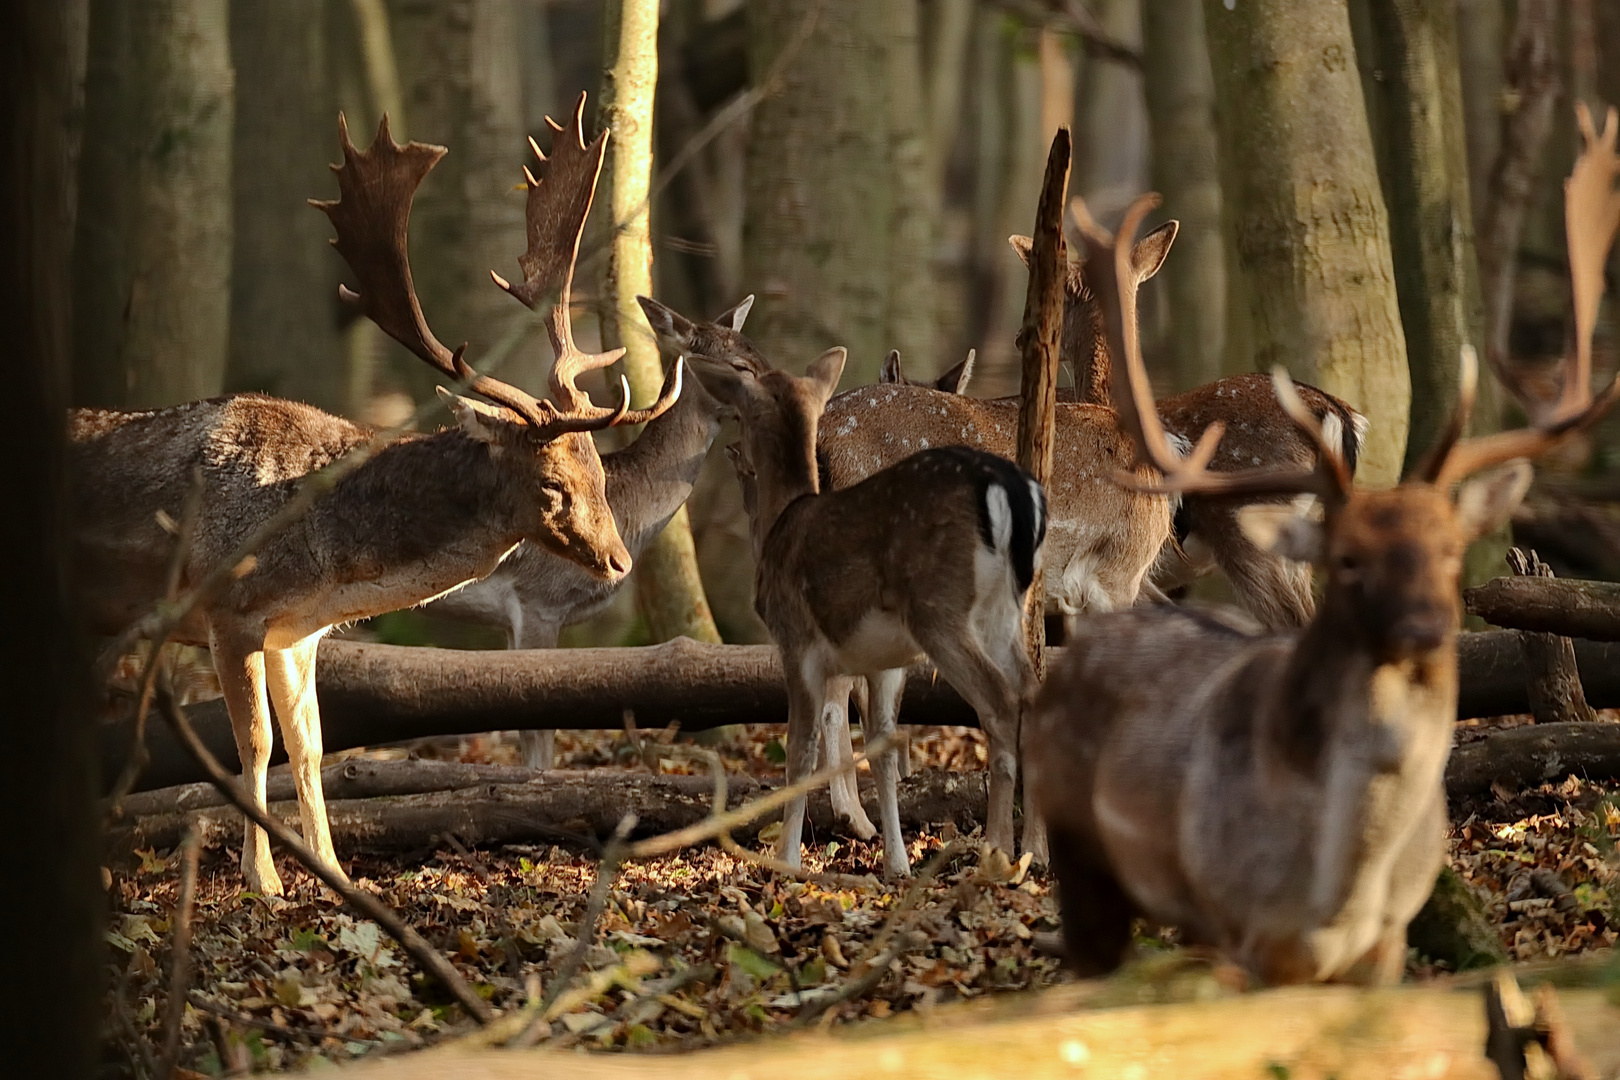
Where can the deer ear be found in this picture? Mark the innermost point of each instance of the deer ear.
(1284, 529)
(1149, 253)
(827, 369)
(1485, 502)
(890, 371)
(735, 317)
(478, 420)
(1023, 245)
(955, 381)
(671, 326)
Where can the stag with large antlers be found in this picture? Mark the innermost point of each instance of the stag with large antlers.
(423, 515)
(1281, 797)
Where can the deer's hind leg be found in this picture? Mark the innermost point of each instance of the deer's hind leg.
(997, 697)
(1275, 591)
(238, 657)
(537, 748)
(837, 749)
(884, 691)
(807, 685)
(290, 673)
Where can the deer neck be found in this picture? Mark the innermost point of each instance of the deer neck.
(649, 480)
(1085, 345)
(784, 460)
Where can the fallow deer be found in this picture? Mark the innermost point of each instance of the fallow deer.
(930, 557)
(534, 593)
(953, 380)
(423, 515)
(1281, 797)
(1258, 433)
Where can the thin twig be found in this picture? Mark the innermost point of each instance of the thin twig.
(716, 824)
(425, 955)
(243, 1020)
(1073, 17)
(180, 967)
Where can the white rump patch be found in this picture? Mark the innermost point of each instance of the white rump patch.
(1333, 433)
(1182, 444)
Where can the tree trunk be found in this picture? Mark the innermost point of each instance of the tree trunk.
(914, 223)
(1481, 38)
(464, 90)
(284, 336)
(669, 589)
(1113, 162)
(820, 203)
(1301, 184)
(1181, 111)
(47, 775)
(152, 253)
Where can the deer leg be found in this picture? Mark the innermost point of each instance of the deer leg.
(837, 749)
(902, 740)
(1095, 912)
(884, 690)
(538, 748)
(805, 708)
(996, 700)
(240, 666)
(291, 675)
(1275, 591)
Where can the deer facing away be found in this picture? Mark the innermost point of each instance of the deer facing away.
(425, 514)
(1282, 797)
(534, 593)
(931, 557)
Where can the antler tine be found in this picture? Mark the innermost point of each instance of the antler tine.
(666, 397)
(1591, 217)
(371, 214)
(1434, 461)
(1108, 267)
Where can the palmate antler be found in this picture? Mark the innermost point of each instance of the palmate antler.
(371, 215)
(1591, 217)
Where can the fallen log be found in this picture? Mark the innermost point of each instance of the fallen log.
(554, 806)
(373, 695)
(1528, 756)
(1563, 606)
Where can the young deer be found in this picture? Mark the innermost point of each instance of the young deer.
(1258, 433)
(534, 593)
(931, 557)
(424, 515)
(1282, 797)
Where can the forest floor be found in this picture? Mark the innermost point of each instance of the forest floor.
(700, 947)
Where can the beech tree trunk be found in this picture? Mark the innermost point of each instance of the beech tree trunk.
(52, 889)
(152, 251)
(1181, 110)
(284, 336)
(1481, 38)
(1312, 234)
(912, 317)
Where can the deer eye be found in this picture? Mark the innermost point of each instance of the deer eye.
(1348, 564)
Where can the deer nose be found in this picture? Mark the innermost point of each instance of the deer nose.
(1419, 631)
(619, 562)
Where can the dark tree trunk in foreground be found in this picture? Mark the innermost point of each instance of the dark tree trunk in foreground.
(1315, 253)
(152, 250)
(284, 338)
(50, 971)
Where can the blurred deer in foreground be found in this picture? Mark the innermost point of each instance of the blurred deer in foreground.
(1282, 797)
(930, 557)
(425, 514)
(534, 593)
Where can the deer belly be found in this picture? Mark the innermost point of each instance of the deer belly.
(879, 642)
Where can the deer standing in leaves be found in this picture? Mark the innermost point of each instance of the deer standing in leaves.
(423, 515)
(1281, 797)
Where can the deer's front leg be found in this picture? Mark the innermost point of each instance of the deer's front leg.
(806, 685)
(837, 749)
(291, 676)
(239, 662)
(884, 691)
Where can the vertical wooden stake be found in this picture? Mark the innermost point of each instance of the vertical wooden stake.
(1038, 348)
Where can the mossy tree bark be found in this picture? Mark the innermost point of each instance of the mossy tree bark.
(53, 878)
(152, 256)
(284, 337)
(669, 589)
(1181, 113)
(1312, 234)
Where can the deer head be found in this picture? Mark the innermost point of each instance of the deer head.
(1392, 558)
(953, 380)
(547, 445)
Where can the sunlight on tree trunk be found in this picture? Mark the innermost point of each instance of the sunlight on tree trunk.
(668, 587)
(1181, 109)
(1315, 253)
(152, 259)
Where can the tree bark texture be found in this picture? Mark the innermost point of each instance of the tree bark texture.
(1038, 342)
(1415, 50)
(914, 223)
(152, 250)
(284, 333)
(669, 589)
(1481, 38)
(1555, 680)
(1301, 185)
(817, 240)
(51, 887)
(1114, 127)
(372, 695)
(1535, 754)
(463, 89)
(1181, 111)
(1579, 609)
